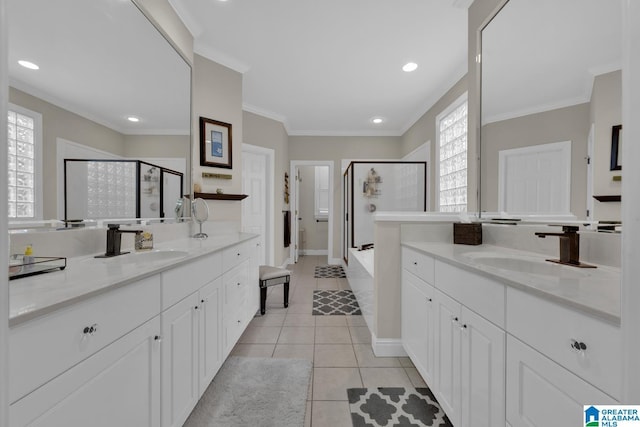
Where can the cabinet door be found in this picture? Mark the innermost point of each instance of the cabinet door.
(118, 386)
(483, 371)
(417, 323)
(447, 355)
(210, 332)
(180, 391)
(541, 392)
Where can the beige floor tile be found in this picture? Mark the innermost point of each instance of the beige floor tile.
(385, 377)
(360, 334)
(268, 319)
(299, 319)
(301, 308)
(332, 335)
(302, 295)
(331, 320)
(253, 350)
(260, 335)
(415, 377)
(294, 351)
(297, 335)
(405, 362)
(332, 383)
(367, 359)
(328, 284)
(334, 356)
(307, 415)
(356, 321)
(331, 414)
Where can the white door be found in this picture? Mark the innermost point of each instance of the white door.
(447, 356)
(210, 332)
(254, 207)
(417, 324)
(180, 391)
(483, 387)
(535, 179)
(118, 386)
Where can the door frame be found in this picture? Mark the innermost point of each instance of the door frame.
(269, 240)
(295, 226)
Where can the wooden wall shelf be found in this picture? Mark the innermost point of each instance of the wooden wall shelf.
(216, 196)
(608, 198)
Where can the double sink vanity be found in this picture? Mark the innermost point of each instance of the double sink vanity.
(129, 340)
(505, 337)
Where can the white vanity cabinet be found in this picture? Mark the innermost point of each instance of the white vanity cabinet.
(67, 365)
(459, 353)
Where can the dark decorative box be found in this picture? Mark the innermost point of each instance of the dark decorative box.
(467, 234)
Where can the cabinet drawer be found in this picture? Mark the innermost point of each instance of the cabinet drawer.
(484, 296)
(542, 393)
(234, 255)
(417, 263)
(45, 347)
(552, 329)
(235, 286)
(184, 280)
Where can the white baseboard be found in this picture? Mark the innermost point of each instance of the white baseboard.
(286, 263)
(387, 347)
(336, 261)
(313, 252)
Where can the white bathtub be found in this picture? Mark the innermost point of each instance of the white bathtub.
(360, 277)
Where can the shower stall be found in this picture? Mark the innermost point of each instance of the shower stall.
(369, 187)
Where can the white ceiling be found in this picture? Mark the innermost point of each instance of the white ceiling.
(327, 67)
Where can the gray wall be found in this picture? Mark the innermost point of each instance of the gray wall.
(336, 148)
(606, 111)
(425, 130)
(563, 124)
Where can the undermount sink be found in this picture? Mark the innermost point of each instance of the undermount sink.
(526, 265)
(150, 256)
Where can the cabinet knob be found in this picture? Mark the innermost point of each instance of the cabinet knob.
(238, 321)
(415, 262)
(463, 327)
(238, 283)
(202, 301)
(578, 345)
(196, 307)
(430, 299)
(90, 330)
(157, 338)
(454, 319)
(238, 253)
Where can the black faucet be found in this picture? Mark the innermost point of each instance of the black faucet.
(114, 240)
(569, 246)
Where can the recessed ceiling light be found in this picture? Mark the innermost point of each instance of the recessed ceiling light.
(409, 67)
(133, 119)
(28, 64)
(377, 120)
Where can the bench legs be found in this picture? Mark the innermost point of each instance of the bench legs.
(263, 297)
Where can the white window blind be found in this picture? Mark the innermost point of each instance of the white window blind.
(321, 192)
(452, 157)
(24, 164)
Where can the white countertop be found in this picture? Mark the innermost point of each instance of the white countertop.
(597, 293)
(87, 276)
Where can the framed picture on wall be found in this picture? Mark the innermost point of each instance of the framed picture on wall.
(215, 143)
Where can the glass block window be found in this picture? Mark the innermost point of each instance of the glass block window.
(452, 157)
(24, 140)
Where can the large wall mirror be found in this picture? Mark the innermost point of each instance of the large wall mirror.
(550, 96)
(101, 62)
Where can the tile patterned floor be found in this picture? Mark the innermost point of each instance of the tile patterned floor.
(338, 346)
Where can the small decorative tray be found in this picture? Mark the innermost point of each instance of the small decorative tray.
(18, 268)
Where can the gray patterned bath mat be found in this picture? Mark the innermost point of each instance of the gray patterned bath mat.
(334, 302)
(395, 407)
(329, 272)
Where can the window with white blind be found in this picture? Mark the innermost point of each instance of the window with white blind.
(24, 163)
(451, 148)
(321, 192)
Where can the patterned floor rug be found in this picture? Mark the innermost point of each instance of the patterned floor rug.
(395, 407)
(334, 303)
(329, 272)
